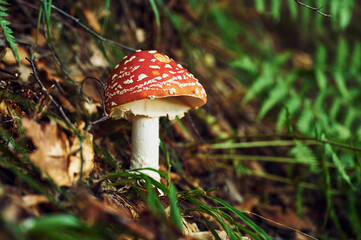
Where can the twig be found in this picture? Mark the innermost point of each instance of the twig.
(103, 119)
(43, 88)
(316, 9)
(91, 124)
(14, 75)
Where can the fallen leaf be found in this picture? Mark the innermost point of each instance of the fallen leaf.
(34, 199)
(25, 72)
(302, 60)
(86, 156)
(93, 211)
(34, 202)
(192, 230)
(92, 20)
(3, 109)
(10, 59)
(98, 59)
(54, 153)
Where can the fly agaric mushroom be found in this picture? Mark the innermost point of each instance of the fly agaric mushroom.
(144, 86)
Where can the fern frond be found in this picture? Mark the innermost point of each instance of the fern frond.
(340, 165)
(306, 119)
(304, 154)
(7, 30)
(264, 81)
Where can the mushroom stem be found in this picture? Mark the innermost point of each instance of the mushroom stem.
(145, 145)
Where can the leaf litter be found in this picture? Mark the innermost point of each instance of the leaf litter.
(61, 154)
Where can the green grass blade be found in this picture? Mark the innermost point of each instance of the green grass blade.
(175, 214)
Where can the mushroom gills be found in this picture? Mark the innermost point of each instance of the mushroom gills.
(158, 107)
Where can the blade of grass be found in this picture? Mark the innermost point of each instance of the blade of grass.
(211, 228)
(157, 19)
(175, 214)
(275, 143)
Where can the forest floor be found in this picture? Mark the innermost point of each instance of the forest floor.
(62, 172)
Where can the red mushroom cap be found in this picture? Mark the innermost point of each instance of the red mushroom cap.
(151, 75)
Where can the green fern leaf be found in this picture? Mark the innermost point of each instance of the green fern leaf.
(293, 9)
(342, 53)
(306, 120)
(335, 6)
(7, 30)
(355, 59)
(321, 79)
(340, 165)
(275, 96)
(264, 81)
(245, 63)
(281, 121)
(321, 57)
(260, 5)
(276, 9)
(341, 131)
(350, 118)
(304, 154)
(335, 108)
(341, 84)
(346, 13)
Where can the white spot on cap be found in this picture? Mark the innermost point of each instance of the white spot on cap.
(141, 60)
(141, 77)
(152, 51)
(180, 66)
(115, 75)
(153, 60)
(129, 60)
(151, 97)
(196, 91)
(138, 50)
(129, 81)
(165, 75)
(172, 91)
(168, 66)
(117, 66)
(114, 104)
(154, 67)
(179, 77)
(113, 86)
(135, 68)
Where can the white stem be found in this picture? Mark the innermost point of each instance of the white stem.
(145, 145)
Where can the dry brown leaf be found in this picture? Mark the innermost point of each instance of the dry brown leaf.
(66, 103)
(98, 59)
(87, 156)
(11, 208)
(92, 21)
(302, 60)
(3, 109)
(33, 202)
(45, 73)
(25, 72)
(54, 153)
(192, 230)
(34, 199)
(93, 210)
(39, 36)
(91, 107)
(10, 59)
